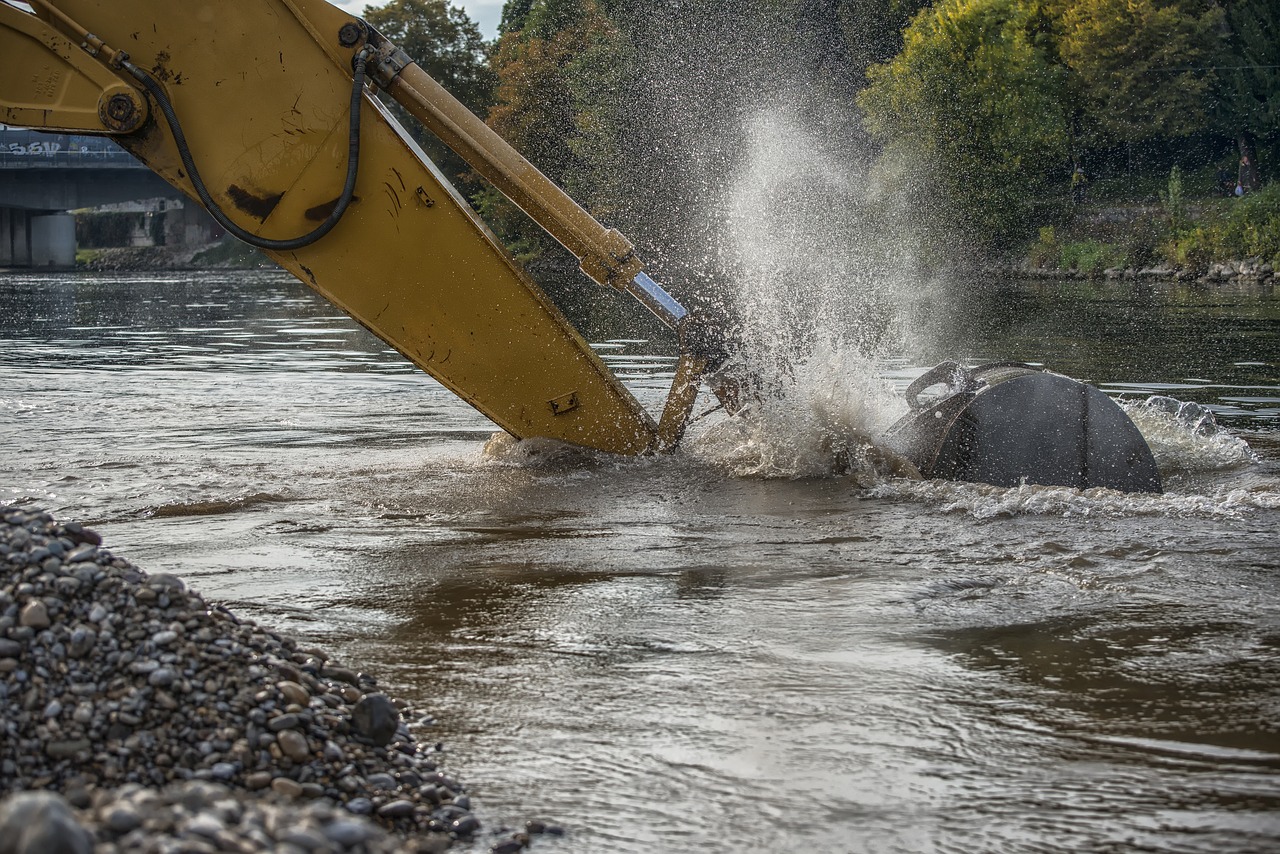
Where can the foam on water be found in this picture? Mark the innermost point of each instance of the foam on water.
(1184, 437)
(825, 419)
(983, 501)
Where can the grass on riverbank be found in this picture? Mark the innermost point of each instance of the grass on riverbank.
(228, 253)
(1176, 233)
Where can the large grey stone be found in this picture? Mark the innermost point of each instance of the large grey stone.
(375, 718)
(40, 823)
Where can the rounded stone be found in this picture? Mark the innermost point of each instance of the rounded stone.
(283, 722)
(381, 781)
(396, 809)
(161, 677)
(360, 806)
(164, 638)
(347, 833)
(123, 818)
(294, 744)
(166, 581)
(376, 718)
(465, 826)
(34, 615)
(41, 823)
(285, 786)
(83, 552)
(294, 693)
(258, 780)
(82, 642)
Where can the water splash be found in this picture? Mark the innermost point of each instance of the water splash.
(1185, 438)
(983, 501)
(818, 279)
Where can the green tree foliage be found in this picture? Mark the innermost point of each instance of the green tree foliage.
(1143, 67)
(971, 111)
(557, 64)
(1248, 93)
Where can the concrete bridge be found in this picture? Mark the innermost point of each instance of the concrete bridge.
(43, 176)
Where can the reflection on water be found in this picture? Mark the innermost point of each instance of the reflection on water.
(665, 655)
(1215, 345)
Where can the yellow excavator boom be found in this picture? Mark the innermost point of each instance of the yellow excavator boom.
(262, 111)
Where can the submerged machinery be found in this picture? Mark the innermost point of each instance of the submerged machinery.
(267, 113)
(1007, 424)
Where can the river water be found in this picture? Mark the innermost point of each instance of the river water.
(737, 647)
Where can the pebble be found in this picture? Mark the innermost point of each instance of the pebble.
(285, 786)
(347, 833)
(294, 745)
(288, 721)
(396, 809)
(380, 781)
(34, 615)
(375, 718)
(293, 692)
(258, 780)
(164, 638)
(123, 818)
(82, 641)
(154, 720)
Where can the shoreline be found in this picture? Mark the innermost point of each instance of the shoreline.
(231, 255)
(139, 716)
(1244, 272)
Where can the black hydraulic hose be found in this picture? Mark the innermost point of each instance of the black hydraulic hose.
(348, 189)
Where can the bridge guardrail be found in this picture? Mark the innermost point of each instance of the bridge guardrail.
(25, 149)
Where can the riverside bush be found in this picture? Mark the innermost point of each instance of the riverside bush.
(1238, 229)
(1089, 257)
(1252, 228)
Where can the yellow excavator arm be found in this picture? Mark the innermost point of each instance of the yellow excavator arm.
(262, 112)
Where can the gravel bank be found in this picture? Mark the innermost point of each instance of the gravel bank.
(138, 717)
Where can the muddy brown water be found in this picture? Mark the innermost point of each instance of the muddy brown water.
(721, 650)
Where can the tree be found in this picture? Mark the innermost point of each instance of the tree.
(972, 111)
(1248, 91)
(1145, 68)
(553, 63)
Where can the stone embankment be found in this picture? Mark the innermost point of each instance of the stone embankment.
(136, 716)
(1250, 271)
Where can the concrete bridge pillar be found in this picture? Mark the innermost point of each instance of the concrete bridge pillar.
(53, 240)
(15, 237)
(37, 238)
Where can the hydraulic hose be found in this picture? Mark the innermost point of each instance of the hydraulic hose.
(215, 210)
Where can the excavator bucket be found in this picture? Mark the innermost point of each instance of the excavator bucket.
(1009, 424)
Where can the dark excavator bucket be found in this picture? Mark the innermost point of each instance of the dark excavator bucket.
(1007, 424)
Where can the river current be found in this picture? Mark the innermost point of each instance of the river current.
(739, 646)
